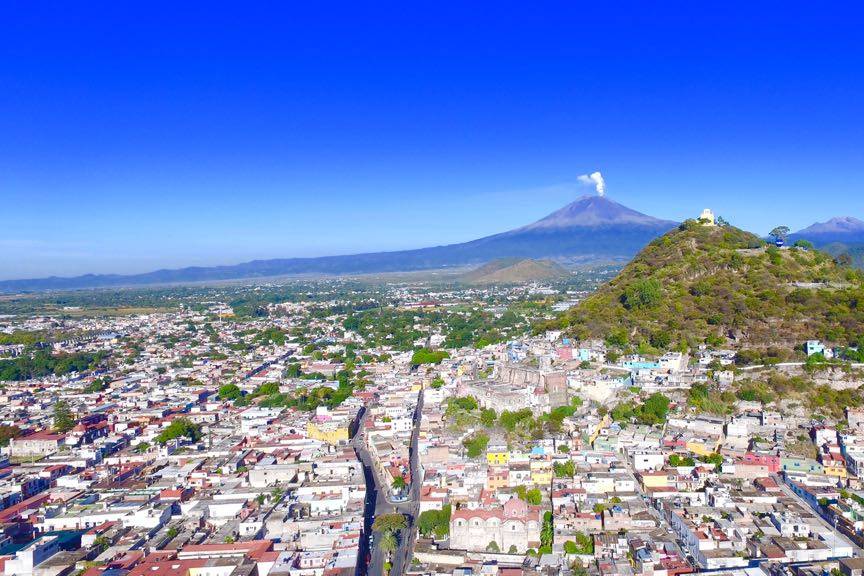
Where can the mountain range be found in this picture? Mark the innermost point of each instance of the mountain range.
(846, 230)
(591, 229)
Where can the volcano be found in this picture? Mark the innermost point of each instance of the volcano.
(591, 229)
(845, 229)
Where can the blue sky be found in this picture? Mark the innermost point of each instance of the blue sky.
(144, 135)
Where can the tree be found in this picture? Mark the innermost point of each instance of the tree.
(476, 444)
(426, 356)
(488, 417)
(229, 392)
(399, 483)
(388, 541)
(435, 522)
(180, 428)
(389, 523)
(7, 433)
(101, 543)
(644, 293)
(98, 385)
(492, 546)
(534, 497)
(63, 418)
(564, 469)
(779, 233)
(677, 460)
(713, 458)
(547, 532)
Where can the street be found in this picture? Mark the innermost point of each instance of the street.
(382, 505)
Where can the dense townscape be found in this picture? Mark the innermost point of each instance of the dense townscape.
(336, 427)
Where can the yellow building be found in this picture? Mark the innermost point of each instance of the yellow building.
(498, 457)
(834, 467)
(654, 479)
(541, 472)
(328, 432)
(701, 446)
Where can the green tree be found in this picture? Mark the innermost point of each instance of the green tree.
(492, 547)
(534, 497)
(399, 483)
(229, 392)
(389, 523)
(564, 469)
(426, 356)
(7, 433)
(101, 543)
(488, 416)
(476, 444)
(180, 428)
(547, 532)
(388, 541)
(63, 418)
(779, 233)
(644, 293)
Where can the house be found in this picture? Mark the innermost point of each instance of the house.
(812, 347)
(37, 444)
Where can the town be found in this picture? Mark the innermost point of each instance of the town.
(409, 429)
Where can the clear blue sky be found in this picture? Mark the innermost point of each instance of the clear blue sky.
(138, 135)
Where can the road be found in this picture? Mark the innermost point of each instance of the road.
(377, 501)
(267, 364)
(857, 551)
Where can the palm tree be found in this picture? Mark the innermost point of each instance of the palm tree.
(388, 542)
(399, 483)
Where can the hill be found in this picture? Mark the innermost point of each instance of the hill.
(725, 287)
(591, 229)
(515, 271)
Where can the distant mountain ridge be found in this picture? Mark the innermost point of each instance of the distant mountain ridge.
(845, 229)
(837, 236)
(593, 228)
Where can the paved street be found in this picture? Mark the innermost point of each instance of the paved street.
(377, 501)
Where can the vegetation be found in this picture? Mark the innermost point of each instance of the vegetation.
(701, 284)
(435, 522)
(42, 363)
(678, 460)
(426, 356)
(230, 392)
(564, 470)
(652, 411)
(64, 420)
(7, 433)
(584, 544)
(180, 428)
(476, 444)
(547, 533)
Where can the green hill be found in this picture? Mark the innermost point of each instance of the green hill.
(514, 271)
(725, 287)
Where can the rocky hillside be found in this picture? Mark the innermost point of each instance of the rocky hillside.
(723, 286)
(515, 271)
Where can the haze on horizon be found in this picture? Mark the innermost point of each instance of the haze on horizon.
(130, 141)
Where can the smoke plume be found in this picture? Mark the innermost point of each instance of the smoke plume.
(595, 179)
